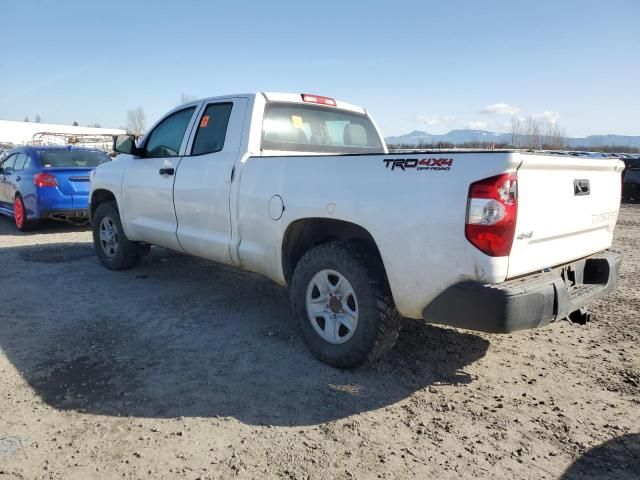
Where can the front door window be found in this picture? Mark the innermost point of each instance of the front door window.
(165, 139)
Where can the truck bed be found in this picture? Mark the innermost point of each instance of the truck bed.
(414, 206)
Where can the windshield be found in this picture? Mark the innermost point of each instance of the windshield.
(72, 158)
(308, 128)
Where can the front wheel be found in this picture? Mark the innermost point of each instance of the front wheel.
(114, 249)
(343, 305)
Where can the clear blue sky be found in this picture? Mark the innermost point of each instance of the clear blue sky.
(426, 65)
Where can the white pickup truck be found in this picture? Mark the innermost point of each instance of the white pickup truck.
(302, 189)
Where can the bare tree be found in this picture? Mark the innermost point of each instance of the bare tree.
(37, 120)
(75, 124)
(26, 119)
(537, 133)
(136, 121)
(186, 98)
(554, 136)
(533, 132)
(517, 134)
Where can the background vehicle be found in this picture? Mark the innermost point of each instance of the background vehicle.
(631, 180)
(47, 182)
(301, 189)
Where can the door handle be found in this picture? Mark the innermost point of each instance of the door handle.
(167, 171)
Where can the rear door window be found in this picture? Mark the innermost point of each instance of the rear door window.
(212, 129)
(166, 138)
(28, 163)
(20, 160)
(314, 129)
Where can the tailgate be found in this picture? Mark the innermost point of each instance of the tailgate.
(567, 209)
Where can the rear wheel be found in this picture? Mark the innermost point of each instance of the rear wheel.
(20, 215)
(114, 249)
(344, 306)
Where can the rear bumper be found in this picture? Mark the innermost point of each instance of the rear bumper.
(51, 203)
(526, 302)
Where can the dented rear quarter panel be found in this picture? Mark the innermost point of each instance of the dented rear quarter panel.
(416, 216)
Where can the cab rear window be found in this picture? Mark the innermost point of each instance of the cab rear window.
(72, 158)
(313, 129)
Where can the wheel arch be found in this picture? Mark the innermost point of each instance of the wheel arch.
(30, 203)
(98, 197)
(306, 233)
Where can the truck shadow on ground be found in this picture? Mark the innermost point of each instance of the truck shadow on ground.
(179, 336)
(618, 459)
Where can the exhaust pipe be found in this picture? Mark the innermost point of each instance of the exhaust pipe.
(59, 216)
(63, 217)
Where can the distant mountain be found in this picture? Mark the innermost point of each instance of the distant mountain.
(463, 136)
(596, 140)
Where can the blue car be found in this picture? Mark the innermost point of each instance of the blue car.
(38, 183)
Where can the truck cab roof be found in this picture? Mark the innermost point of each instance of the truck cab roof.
(282, 97)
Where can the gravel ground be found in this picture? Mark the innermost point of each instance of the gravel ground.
(181, 368)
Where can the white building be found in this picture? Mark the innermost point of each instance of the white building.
(23, 133)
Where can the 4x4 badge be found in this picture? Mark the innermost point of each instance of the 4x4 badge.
(419, 163)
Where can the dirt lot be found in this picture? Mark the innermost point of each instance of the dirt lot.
(185, 369)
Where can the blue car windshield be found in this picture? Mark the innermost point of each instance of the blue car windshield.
(72, 158)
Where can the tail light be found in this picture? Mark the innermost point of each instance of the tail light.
(318, 99)
(45, 180)
(492, 210)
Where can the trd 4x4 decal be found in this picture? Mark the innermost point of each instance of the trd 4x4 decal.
(418, 163)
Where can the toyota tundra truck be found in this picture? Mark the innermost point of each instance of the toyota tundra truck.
(301, 188)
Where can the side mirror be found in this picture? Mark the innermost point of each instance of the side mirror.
(126, 144)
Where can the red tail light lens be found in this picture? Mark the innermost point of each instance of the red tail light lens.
(318, 99)
(492, 210)
(45, 180)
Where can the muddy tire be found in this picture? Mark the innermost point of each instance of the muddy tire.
(342, 301)
(114, 249)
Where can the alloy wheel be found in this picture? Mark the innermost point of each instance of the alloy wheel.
(109, 237)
